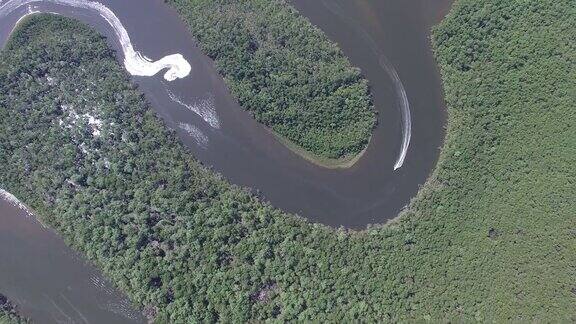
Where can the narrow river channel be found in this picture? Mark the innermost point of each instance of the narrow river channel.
(389, 41)
(48, 281)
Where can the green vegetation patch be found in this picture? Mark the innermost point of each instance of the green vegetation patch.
(491, 236)
(9, 313)
(286, 73)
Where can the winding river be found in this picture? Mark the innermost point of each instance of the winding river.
(387, 39)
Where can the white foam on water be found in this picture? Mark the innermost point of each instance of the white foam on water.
(134, 62)
(204, 108)
(200, 138)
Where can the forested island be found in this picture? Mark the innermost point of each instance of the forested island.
(491, 236)
(287, 74)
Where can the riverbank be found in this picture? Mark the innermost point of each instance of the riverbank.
(341, 163)
(14, 201)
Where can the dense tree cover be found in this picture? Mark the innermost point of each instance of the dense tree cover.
(286, 73)
(490, 237)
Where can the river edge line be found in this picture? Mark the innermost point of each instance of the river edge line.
(344, 162)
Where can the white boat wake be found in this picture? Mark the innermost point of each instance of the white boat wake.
(134, 62)
(404, 109)
(200, 138)
(204, 108)
(403, 103)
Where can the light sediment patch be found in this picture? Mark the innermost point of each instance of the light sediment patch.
(134, 62)
(72, 119)
(5, 195)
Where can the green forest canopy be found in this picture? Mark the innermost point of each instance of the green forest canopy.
(9, 313)
(286, 73)
(491, 236)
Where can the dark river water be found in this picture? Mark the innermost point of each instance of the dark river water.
(374, 34)
(48, 281)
